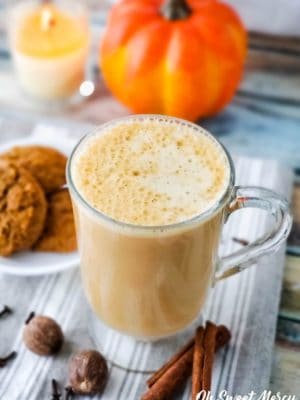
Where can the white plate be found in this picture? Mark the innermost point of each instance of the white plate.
(40, 263)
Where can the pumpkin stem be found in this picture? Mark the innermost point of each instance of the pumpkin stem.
(175, 9)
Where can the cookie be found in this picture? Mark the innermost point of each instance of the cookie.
(46, 164)
(59, 233)
(23, 209)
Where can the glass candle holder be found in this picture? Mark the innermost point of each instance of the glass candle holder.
(49, 42)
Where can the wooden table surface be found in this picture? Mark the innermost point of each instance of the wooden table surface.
(263, 121)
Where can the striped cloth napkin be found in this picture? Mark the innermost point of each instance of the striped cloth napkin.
(247, 303)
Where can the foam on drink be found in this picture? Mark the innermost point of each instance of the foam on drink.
(151, 172)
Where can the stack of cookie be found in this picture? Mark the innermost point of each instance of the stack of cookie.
(35, 208)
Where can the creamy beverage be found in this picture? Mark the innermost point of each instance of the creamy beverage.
(145, 270)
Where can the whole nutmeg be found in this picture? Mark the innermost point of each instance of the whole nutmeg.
(88, 372)
(42, 335)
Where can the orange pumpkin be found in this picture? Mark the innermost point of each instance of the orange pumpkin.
(175, 57)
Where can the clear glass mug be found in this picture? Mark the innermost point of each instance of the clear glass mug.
(150, 283)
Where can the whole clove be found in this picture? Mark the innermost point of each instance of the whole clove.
(242, 242)
(5, 310)
(56, 395)
(4, 360)
(69, 393)
(29, 318)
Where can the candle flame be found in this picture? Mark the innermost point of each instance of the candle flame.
(47, 18)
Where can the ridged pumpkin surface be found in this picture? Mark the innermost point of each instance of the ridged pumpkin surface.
(189, 68)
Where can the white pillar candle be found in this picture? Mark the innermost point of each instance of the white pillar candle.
(50, 49)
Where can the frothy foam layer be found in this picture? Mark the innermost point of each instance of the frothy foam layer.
(151, 172)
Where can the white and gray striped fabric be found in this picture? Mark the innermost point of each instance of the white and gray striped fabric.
(246, 303)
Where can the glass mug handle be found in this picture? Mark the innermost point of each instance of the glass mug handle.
(256, 197)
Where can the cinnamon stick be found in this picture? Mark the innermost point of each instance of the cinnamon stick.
(210, 344)
(174, 373)
(174, 377)
(151, 381)
(198, 362)
(223, 336)
(207, 342)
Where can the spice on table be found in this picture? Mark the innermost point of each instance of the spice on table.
(9, 357)
(56, 395)
(69, 394)
(172, 379)
(29, 318)
(198, 362)
(209, 344)
(223, 336)
(151, 381)
(88, 372)
(42, 335)
(242, 242)
(5, 310)
(173, 374)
